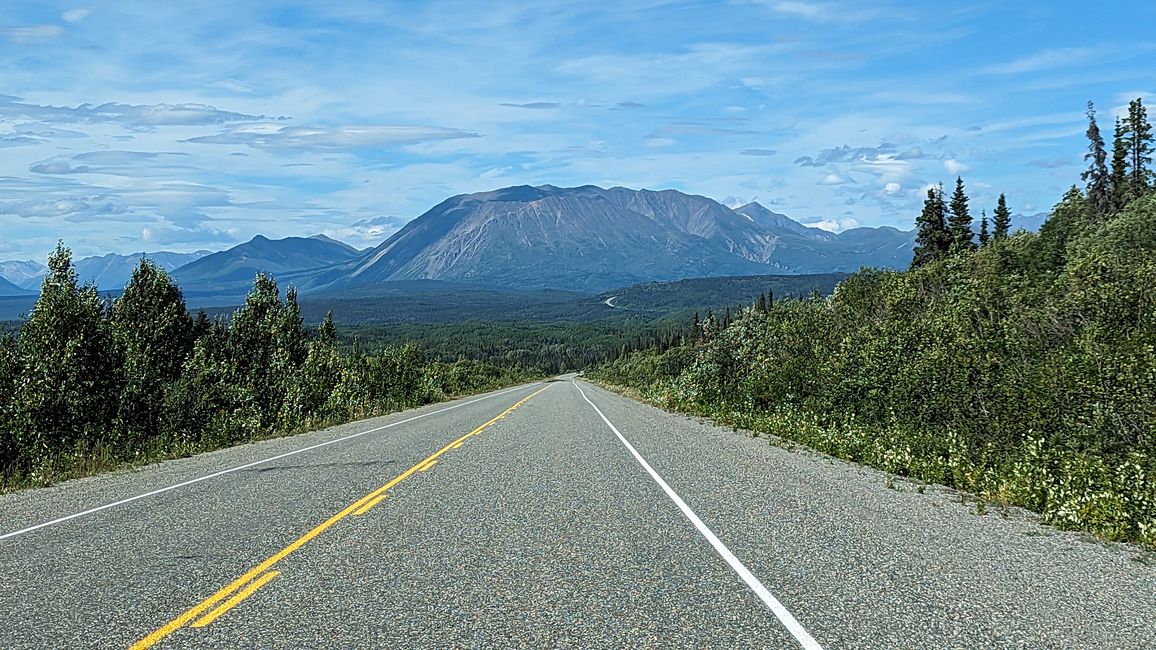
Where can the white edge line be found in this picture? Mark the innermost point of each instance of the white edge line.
(793, 626)
(253, 464)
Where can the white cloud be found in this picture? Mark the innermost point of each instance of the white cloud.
(892, 188)
(31, 32)
(832, 179)
(1045, 60)
(75, 15)
(954, 167)
(834, 225)
(325, 138)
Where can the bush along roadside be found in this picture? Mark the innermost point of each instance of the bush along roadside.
(1023, 371)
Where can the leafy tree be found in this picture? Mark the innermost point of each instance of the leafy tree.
(153, 332)
(9, 379)
(1069, 220)
(1139, 142)
(1001, 219)
(68, 395)
(1099, 184)
(959, 223)
(984, 235)
(1119, 175)
(932, 241)
(267, 344)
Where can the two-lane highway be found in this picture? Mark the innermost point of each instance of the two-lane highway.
(549, 515)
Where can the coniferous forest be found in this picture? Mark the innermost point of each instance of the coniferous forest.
(1020, 367)
(89, 384)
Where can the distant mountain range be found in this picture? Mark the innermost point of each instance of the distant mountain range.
(233, 270)
(109, 272)
(9, 289)
(585, 239)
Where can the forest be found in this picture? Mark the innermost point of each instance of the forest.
(1018, 367)
(88, 384)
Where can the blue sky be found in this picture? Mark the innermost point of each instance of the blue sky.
(131, 125)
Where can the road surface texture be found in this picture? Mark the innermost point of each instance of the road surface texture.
(536, 517)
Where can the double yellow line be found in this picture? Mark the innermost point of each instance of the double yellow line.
(231, 595)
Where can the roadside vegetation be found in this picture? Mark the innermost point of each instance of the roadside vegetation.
(1020, 367)
(88, 384)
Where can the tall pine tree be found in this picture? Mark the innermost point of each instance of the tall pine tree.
(984, 235)
(1001, 219)
(1139, 149)
(959, 223)
(1120, 192)
(1096, 176)
(932, 240)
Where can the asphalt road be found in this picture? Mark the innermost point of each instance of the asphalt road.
(538, 526)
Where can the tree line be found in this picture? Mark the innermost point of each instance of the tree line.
(1021, 369)
(88, 383)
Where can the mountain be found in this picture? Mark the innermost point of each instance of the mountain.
(328, 239)
(776, 221)
(23, 273)
(592, 239)
(8, 289)
(233, 270)
(112, 271)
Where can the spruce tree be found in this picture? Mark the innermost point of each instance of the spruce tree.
(1001, 219)
(932, 240)
(1139, 149)
(1120, 192)
(1099, 189)
(761, 305)
(959, 223)
(327, 331)
(770, 299)
(984, 236)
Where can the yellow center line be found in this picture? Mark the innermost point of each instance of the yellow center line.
(369, 506)
(223, 593)
(236, 599)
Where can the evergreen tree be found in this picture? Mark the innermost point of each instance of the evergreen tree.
(1099, 188)
(770, 298)
(1001, 219)
(68, 395)
(984, 235)
(761, 305)
(932, 241)
(1120, 192)
(201, 325)
(153, 333)
(327, 331)
(959, 223)
(1139, 150)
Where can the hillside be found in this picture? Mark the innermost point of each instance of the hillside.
(233, 270)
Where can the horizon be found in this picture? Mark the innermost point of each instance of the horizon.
(350, 121)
